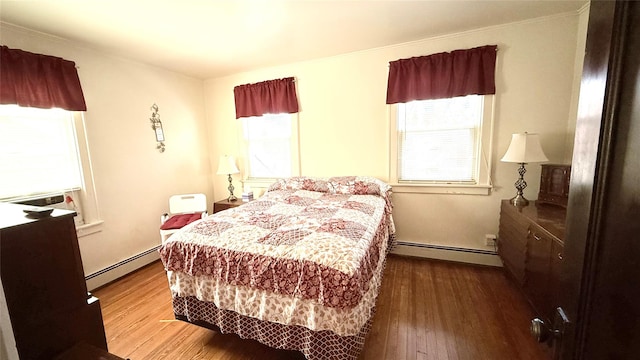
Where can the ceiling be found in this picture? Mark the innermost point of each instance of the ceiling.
(214, 38)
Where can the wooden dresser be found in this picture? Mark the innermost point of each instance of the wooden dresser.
(44, 285)
(530, 244)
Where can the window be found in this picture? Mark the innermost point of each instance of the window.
(442, 142)
(40, 155)
(270, 146)
(39, 152)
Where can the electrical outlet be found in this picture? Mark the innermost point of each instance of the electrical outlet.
(490, 239)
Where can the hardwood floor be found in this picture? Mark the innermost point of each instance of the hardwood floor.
(426, 310)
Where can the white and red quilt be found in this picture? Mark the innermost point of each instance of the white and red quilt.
(309, 253)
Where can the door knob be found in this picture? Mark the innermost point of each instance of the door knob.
(542, 332)
(539, 330)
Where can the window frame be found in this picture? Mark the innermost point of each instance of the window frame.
(484, 184)
(294, 143)
(85, 196)
(92, 220)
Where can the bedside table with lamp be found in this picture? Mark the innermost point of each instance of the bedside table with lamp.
(227, 166)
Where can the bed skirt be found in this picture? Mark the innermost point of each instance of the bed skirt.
(315, 345)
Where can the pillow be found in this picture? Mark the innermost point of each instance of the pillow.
(359, 185)
(180, 220)
(301, 183)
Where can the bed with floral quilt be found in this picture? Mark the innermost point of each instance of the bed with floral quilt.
(299, 268)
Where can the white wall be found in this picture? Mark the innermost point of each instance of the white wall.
(344, 120)
(343, 128)
(133, 180)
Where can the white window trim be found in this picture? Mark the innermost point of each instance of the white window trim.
(92, 222)
(484, 185)
(255, 182)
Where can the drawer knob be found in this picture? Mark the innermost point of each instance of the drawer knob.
(538, 238)
(560, 256)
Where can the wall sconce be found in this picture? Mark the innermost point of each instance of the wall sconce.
(156, 125)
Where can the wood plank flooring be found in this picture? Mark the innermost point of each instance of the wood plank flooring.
(426, 310)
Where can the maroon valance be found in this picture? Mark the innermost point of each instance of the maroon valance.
(267, 97)
(42, 81)
(443, 75)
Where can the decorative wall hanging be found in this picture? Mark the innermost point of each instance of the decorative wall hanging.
(156, 125)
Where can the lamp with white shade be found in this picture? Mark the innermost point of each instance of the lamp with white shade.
(227, 166)
(524, 148)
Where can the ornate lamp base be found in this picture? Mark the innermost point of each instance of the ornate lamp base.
(230, 188)
(519, 199)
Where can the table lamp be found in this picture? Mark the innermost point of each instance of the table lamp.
(524, 148)
(227, 166)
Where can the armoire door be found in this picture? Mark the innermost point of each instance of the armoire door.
(601, 266)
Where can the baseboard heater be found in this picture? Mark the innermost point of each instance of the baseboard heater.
(121, 268)
(450, 253)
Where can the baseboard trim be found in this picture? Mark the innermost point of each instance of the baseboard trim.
(448, 253)
(121, 268)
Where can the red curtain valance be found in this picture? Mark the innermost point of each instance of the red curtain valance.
(443, 75)
(267, 97)
(42, 81)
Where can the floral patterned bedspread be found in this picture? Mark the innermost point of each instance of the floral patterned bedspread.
(309, 252)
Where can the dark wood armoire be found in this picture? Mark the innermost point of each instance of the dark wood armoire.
(599, 276)
(44, 287)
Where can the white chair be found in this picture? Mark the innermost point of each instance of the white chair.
(183, 209)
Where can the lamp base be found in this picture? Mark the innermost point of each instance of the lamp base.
(519, 200)
(230, 188)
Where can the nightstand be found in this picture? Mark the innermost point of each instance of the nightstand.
(226, 204)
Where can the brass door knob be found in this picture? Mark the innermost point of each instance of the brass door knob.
(539, 330)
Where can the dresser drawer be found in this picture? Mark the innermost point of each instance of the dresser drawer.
(512, 242)
(538, 280)
(513, 259)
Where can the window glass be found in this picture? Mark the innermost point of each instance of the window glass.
(38, 152)
(438, 141)
(41, 156)
(268, 145)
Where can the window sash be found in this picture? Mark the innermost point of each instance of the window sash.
(438, 141)
(268, 145)
(38, 152)
(451, 154)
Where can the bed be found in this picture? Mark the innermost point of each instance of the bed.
(299, 268)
